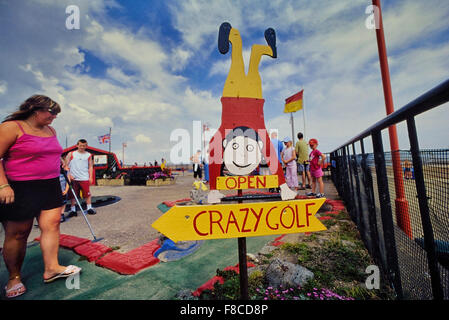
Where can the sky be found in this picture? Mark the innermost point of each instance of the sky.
(148, 70)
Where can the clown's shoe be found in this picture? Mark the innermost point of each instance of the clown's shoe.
(286, 192)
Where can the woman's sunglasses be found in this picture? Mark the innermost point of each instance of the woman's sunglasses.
(52, 111)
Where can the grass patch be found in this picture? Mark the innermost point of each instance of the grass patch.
(302, 250)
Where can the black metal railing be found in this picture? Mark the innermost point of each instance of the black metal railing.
(407, 237)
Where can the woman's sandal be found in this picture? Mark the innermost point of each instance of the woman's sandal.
(16, 290)
(69, 271)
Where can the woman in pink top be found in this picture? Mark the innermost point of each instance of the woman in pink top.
(29, 188)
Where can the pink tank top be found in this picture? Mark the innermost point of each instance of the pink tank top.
(33, 158)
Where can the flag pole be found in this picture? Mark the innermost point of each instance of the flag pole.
(110, 139)
(304, 115)
(293, 128)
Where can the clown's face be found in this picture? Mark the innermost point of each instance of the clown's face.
(242, 155)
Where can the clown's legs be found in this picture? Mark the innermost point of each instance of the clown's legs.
(236, 75)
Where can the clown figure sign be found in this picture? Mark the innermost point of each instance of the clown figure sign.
(242, 139)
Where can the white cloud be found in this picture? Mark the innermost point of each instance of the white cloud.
(141, 138)
(180, 58)
(3, 87)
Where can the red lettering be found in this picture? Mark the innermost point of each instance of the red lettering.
(261, 182)
(241, 180)
(268, 224)
(194, 224)
(250, 181)
(297, 218)
(284, 213)
(234, 221)
(227, 183)
(308, 214)
(257, 217)
(244, 221)
(215, 221)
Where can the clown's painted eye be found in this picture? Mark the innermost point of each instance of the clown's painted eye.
(250, 147)
(235, 146)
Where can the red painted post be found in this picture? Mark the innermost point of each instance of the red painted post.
(401, 204)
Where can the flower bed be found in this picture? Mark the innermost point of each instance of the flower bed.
(160, 179)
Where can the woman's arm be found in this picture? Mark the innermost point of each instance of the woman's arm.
(8, 135)
(91, 170)
(323, 158)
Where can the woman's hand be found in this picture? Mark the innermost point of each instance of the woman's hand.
(6, 195)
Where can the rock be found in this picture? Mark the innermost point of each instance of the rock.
(284, 273)
(185, 294)
(252, 257)
(267, 249)
(198, 196)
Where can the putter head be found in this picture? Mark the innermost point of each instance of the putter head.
(97, 239)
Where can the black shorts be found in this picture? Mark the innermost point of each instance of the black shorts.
(197, 172)
(30, 198)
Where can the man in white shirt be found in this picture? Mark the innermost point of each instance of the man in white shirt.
(80, 167)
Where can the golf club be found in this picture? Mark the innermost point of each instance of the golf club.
(81, 208)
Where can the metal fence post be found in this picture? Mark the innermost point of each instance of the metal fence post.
(386, 213)
(345, 179)
(368, 184)
(357, 188)
(429, 243)
(352, 205)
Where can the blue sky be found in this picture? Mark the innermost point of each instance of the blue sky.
(147, 68)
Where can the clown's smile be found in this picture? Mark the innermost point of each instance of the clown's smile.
(241, 166)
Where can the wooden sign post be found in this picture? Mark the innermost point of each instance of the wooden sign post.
(243, 266)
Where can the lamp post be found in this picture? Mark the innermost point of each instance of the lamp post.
(401, 203)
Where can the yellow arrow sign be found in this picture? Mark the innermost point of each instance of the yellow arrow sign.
(188, 223)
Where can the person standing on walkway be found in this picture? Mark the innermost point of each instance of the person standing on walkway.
(81, 169)
(316, 161)
(302, 152)
(278, 146)
(64, 187)
(29, 188)
(289, 159)
(163, 164)
(196, 159)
